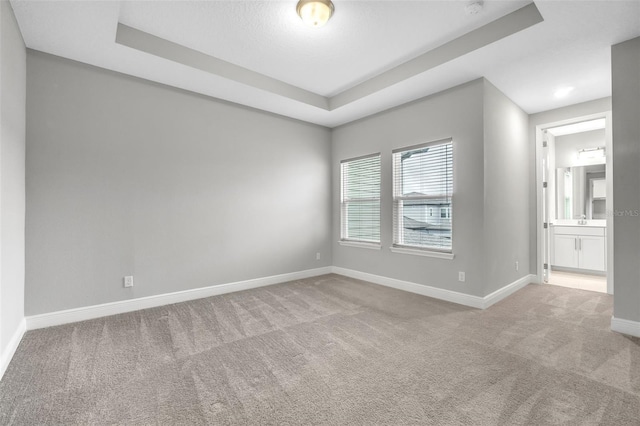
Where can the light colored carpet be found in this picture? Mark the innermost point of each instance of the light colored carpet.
(333, 350)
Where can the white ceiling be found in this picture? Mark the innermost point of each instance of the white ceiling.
(571, 47)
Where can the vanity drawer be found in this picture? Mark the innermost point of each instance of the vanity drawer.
(578, 230)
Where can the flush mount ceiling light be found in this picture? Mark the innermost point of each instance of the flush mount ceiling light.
(315, 13)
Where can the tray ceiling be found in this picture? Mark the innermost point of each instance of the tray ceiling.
(371, 56)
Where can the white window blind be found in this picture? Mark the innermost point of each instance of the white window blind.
(360, 199)
(423, 196)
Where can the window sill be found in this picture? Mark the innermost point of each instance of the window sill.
(370, 246)
(419, 252)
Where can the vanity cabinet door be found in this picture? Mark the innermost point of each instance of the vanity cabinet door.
(592, 253)
(566, 251)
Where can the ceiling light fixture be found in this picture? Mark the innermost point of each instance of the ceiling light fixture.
(315, 13)
(562, 92)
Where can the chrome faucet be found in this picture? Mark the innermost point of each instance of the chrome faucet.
(582, 220)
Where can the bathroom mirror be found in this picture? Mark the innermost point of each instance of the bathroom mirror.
(581, 192)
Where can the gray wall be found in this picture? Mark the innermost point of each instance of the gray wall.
(127, 177)
(567, 146)
(545, 117)
(626, 177)
(491, 212)
(507, 210)
(455, 113)
(12, 174)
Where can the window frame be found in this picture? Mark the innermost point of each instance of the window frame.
(345, 240)
(398, 245)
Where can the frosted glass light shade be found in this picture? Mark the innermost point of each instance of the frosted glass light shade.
(315, 13)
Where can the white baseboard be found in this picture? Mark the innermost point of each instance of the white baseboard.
(7, 354)
(425, 290)
(508, 290)
(632, 328)
(96, 311)
(439, 293)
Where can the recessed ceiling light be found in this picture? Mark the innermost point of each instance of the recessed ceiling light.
(563, 91)
(315, 13)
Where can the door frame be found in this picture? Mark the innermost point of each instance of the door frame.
(609, 203)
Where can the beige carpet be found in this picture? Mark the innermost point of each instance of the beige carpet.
(332, 350)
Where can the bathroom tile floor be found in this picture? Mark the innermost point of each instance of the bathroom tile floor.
(579, 281)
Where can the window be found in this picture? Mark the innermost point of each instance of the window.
(422, 181)
(360, 199)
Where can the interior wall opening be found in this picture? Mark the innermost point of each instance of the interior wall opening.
(576, 228)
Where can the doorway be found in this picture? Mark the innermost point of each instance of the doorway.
(574, 180)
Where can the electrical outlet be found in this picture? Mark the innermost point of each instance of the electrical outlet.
(461, 276)
(128, 281)
(318, 256)
(517, 265)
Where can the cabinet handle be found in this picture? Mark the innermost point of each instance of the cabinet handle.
(580, 244)
(575, 243)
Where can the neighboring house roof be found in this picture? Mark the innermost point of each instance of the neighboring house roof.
(418, 225)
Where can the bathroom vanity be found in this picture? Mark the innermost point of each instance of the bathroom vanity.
(582, 248)
(579, 233)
